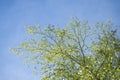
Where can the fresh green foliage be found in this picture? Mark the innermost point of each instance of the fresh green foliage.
(75, 52)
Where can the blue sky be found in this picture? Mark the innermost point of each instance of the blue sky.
(16, 14)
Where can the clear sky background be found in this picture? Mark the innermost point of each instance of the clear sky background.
(16, 14)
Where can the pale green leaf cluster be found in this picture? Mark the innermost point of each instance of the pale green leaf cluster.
(75, 52)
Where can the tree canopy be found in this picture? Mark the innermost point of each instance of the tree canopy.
(75, 52)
